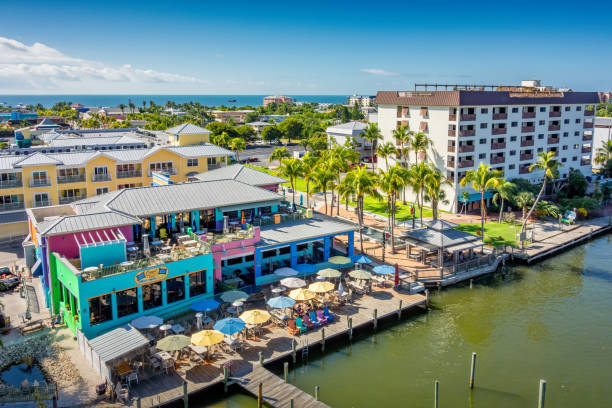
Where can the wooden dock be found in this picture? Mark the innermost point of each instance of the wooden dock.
(275, 392)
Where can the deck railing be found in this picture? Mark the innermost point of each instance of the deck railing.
(29, 393)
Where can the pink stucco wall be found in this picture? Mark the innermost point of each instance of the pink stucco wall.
(66, 245)
(231, 249)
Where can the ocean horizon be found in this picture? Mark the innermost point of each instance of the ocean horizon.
(97, 100)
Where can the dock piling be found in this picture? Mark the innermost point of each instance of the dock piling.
(293, 350)
(427, 297)
(316, 392)
(225, 377)
(375, 318)
(399, 310)
(323, 339)
(260, 396)
(286, 371)
(291, 403)
(350, 326)
(138, 403)
(542, 394)
(185, 395)
(473, 370)
(261, 358)
(436, 392)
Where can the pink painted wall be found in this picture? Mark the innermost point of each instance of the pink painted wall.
(219, 256)
(230, 249)
(66, 245)
(271, 187)
(239, 243)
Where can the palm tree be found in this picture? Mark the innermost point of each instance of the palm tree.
(402, 136)
(482, 179)
(547, 163)
(604, 153)
(309, 162)
(419, 144)
(122, 107)
(417, 177)
(392, 182)
(340, 159)
(346, 190)
(323, 178)
(222, 140)
(372, 133)
(504, 191)
(237, 144)
(386, 150)
(292, 169)
(364, 183)
(434, 193)
(524, 199)
(278, 154)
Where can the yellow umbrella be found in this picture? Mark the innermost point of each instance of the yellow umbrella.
(207, 338)
(339, 260)
(255, 316)
(301, 294)
(321, 287)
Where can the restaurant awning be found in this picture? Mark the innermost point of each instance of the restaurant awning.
(118, 343)
(474, 197)
(430, 239)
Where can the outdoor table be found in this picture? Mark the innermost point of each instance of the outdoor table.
(177, 328)
(189, 243)
(198, 349)
(164, 328)
(183, 238)
(132, 249)
(163, 257)
(157, 242)
(162, 356)
(123, 369)
(166, 248)
(233, 310)
(277, 291)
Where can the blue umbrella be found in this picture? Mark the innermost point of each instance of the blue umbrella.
(205, 305)
(362, 259)
(229, 325)
(305, 268)
(281, 302)
(384, 270)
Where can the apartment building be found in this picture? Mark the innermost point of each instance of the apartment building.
(41, 180)
(498, 125)
(363, 101)
(277, 99)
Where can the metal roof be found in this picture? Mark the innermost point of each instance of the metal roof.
(84, 222)
(8, 162)
(439, 225)
(202, 150)
(241, 173)
(93, 141)
(36, 159)
(315, 227)
(118, 343)
(12, 217)
(446, 238)
(187, 129)
(349, 128)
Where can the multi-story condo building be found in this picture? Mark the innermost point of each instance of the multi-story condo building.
(503, 126)
(361, 100)
(277, 99)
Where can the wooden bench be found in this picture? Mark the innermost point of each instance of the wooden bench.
(32, 327)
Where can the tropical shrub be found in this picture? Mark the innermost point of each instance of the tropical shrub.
(587, 203)
(581, 213)
(510, 218)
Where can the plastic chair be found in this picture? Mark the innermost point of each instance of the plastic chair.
(321, 317)
(314, 319)
(329, 315)
(309, 323)
(300, 325)
(291, 327)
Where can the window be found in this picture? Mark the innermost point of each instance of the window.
(100, 309)
(513, 138)
(574, 158)
(268, 254)
(576, 146)
(511, 167)
(565, 134)
(126, 167)
(576, 133)
(151, 295)
(542, 122)
(284, 250)
(514, 124)
(192, 162)
(577, 120)
(514, 110)
(567, 108)
(127, 302)
(484, 110)
(72, 193)
(197, 283)
(540, 150)
(211, 161)
(578, 108)
(160, 166)
(542, 109)
(130, 185)
(234, 261)
(101, 170)
(563, 160)
(482, 141)
(566, 121)
(101, 190)
(482, 156)
(541, 136)
(483, 125)
(175, 289)
(67, 173)
(41, 199)
(512, 152)
(302, 247)
(564, 147)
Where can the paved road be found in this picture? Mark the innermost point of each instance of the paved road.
(262, 152)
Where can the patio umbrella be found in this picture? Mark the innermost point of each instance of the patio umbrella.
(293, 283)
(242, 220)
(207, 338)
(147, 322)
(285, 272)
(281, 302)
(321, 287)
(229, 325)
(383, 270)
(329, 273)
(301, 294)
(305, 268)
(233, 295)
(360, 274)
(255, 316)
(205, 305)
(341, 289)
(173, 343)
(362, 259)
(339, 260)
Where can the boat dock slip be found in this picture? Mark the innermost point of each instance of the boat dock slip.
(275, 392)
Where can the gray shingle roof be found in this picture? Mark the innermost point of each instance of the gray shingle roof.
(187, 129)
(117, 343)
(75, 223)
(241, 173)
(314, 227)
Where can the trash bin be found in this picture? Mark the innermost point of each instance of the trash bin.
(277, 218)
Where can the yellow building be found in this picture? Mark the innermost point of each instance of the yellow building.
(40, 179)
(188, 134)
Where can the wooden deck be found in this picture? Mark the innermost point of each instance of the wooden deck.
(275, 344)
(275, 392)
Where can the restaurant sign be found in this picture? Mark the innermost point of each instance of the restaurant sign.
(151, 275)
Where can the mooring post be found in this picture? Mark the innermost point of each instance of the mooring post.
(260, 395)
(185, 395)
(316, 392)
(138, 403)
(293, 350)
(291, 403)
(542, 394)
(350, 326)
(436, 389)
(399, 310)
(323, 339)
(261, 358)
(473, 370)
(471, 283)
(427, 297)
(225, 377)
(375, 318)
(286, 371)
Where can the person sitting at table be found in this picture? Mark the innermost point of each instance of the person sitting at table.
(460, 256)
(298, 310)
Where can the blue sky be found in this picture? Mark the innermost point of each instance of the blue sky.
(298, 47)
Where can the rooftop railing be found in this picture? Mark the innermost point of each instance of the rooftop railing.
(11, 183)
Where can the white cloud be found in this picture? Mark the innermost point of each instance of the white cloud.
(39, 67)
(377, 71)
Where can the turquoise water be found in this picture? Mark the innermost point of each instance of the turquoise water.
(550, 321)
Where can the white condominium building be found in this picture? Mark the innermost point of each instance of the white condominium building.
(498, 125)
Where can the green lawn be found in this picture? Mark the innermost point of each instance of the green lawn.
(495, 234)
(300, 184)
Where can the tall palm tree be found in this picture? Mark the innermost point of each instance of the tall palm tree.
(346, 190)
(604, 153)
(504, 191)
(419, 144)
(340, 160)
(237, 144)
(364, 183)
(482, 179)
(309, 162)
(122, 107)
(402, 136)
(292, 169)
(434, 193)
(417, 177)
(386, 150)
(546, 163)
(392, 182)
(372, 133)
(323, 178)
(278, 154)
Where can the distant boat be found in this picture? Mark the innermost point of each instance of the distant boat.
(231, 100)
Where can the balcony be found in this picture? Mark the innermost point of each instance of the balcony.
(585, 162)
(40, 203)
(101, 177)
(129, 173)
(40, 182)
(450, 179)
(424, 112)
(586, 149)
(527, 143)
(172, 170)
(466, 148)
(466, 163)
(467, 132)
(587, 137)
(71, 179)
(589, 112)
(68, 200)
(588, 125)
(554, 127)
(524, 170)
(497, 146)
(450, 163)
(497, 160)
(499, 131)
(423, 126)
(11, 183)
(468, 117)
(526, 156)
(553, 140)
(212, 166)
(552, 114)
(12, 206)
(500, 116)
(452, 117)
(528, 129)
(529, 115)
(452, 132)
(451, 149)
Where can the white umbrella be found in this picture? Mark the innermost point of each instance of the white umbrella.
(147, 322)
(285, 272)
(293, 283)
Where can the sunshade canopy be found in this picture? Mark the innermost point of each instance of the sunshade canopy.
(173, 343)
(147, 322)
(255, 316)
(384, 270)
(233, 295)
(321, 287)
(339, 260)
(329, 273)
(229, 325)
(207, 338)
(293, 283)
(285, 272)
(362, 259)
(281, 302)
(360, 274)
(205, 305)
(301, 294)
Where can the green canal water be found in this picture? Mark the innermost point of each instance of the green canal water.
(552, 321)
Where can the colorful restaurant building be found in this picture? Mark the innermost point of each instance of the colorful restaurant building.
(108, 259)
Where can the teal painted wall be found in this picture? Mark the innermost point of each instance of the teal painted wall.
(106, 255)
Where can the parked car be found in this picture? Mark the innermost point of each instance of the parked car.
(369, 159)
(253, 159)
(7, 279)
